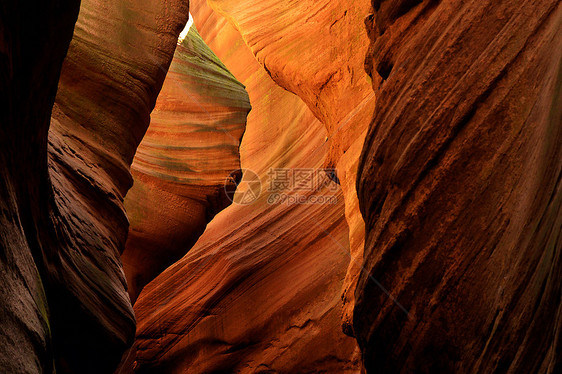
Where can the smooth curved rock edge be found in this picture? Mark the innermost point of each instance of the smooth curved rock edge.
(459, 186)
(74, 228)
(315, 49)
(182, 165)
(261, 288)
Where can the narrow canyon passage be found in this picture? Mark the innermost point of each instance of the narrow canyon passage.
(261, 288)
(182, 164)
(308, 186)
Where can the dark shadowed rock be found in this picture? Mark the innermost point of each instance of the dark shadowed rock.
(115, 68)
(34, 38)
(459, 186)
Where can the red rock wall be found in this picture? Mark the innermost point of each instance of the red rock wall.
(111, 76)
(316, 49)
(261, 288)
(181, 165)
(459, 185)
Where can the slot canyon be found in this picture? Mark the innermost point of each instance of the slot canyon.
(314, 186)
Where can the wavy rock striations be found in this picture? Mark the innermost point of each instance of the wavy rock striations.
(316, 50)
(111, 76)
(454, 234)
(183, 161)
(260, 290)
(459, 185)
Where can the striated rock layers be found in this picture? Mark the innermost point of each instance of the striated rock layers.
(63, 224)
(115, 67)
(260, 290)
(459, 186)
(316, 50)
(183, 161)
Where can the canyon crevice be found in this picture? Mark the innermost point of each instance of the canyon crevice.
(183, 161)
(152, 220)
(256, 249)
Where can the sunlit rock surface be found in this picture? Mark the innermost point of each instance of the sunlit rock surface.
(261, 289)
(459, 185)
(316, 49)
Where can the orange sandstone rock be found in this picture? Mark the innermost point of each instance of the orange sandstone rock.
(111, 76)
(261, 288)
(316, 49)
(181, 165)
(459, 185)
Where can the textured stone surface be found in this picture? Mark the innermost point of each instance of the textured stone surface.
(316, 49)
(260, 290)
(34, 38)
(115, 67)
(181, 165)
(347, 173)
(459, 185)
